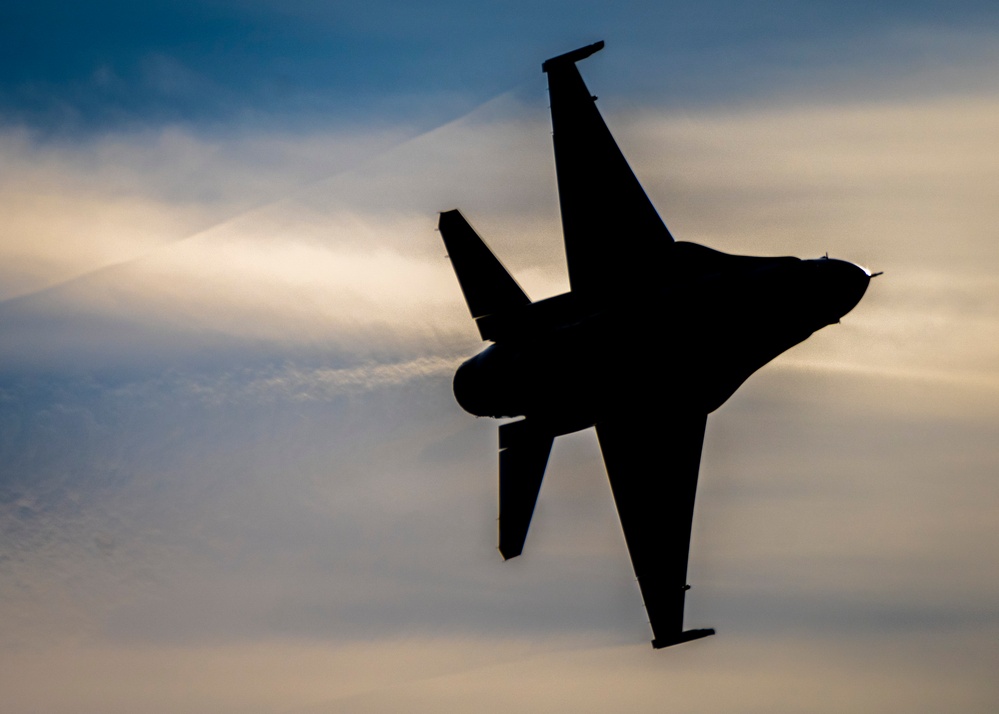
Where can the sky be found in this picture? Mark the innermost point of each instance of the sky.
(233, 477)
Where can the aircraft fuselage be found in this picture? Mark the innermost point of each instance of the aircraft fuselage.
(720, 318)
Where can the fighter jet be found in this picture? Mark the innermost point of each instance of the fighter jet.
(653, 336)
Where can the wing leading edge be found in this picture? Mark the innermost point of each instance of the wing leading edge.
(657, 509)
(601, 200)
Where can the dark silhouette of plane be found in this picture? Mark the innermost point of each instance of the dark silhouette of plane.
(570, 362)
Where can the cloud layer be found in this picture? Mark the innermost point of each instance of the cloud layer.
(235, 478)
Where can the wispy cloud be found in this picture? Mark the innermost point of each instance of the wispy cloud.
(230, 449)
(899, 186)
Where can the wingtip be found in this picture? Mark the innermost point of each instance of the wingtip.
(688, 636)
(572, 57)
(508, 551)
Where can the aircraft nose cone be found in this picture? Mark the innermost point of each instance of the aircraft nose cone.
(846, 284)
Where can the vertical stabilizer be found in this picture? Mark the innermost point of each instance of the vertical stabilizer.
(488, 287)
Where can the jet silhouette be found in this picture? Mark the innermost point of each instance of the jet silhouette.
(570, 362)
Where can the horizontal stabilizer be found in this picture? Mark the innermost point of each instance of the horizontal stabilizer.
(572, 57)
(687, 636)
(488, 287)
(523, 458)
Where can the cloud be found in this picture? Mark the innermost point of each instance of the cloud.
(325, 262)
(898, 186)
(73, 208)
(783, 675)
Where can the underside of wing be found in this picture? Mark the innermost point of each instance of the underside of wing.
(652, 464)
(613, 234)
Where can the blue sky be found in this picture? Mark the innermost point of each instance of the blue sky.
(224, 64)
(233, 474)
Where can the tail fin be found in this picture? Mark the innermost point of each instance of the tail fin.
(488, 287)
(524, 455)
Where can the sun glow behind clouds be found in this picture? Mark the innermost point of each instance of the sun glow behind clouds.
(71, 208)
(357, 251)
